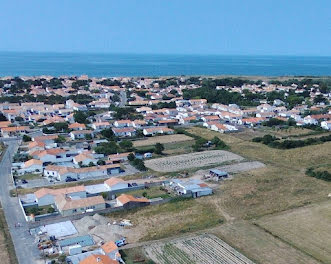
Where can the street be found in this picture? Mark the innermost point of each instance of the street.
(25, 248)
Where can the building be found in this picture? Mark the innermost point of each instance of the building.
(129, 201)
(75, 205)
(98, 259)
(45, 196)
(194, 188)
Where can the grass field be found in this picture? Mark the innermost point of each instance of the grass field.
(307, 228)
(259, 245)
(161, 139)
(150, 193)
(171, 219)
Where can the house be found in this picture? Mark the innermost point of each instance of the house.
(68, 206)
(77, 126)
(309, 120)
(194, 188)
(54, 155)
(168, 122)
(218, 127)
(251, 121)
(152, 131)
(62, 173)
(98, 259)
(129, 201)
(32, 165)
(124, 132)
(123, 123)
(114, 184)
(326, 124)
(84, 159)
(101, 125)
(118, 158)
(139, 123)
(14, 131)
(36, 145)
(111, 250)
(45, 196)
(81, 134)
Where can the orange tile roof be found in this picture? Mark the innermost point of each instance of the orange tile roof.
(77, 125)
(112, 181)
(32, 162)
(66, 203)
(109, 247)
(44, 191)
(15, 129)
(98, 259)
(4, 124)
(126, 198)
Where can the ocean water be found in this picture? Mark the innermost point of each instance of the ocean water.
(111, 65)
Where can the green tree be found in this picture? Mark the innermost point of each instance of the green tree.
(108, 133)
(159, 148)
(126, 145)
(80, 117)
(60, 139)
(131, 157)
(26, 138)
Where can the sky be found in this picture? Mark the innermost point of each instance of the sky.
(230, 27)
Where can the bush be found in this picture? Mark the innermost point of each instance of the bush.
(26, 138)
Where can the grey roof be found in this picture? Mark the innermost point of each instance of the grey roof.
(218, 172)
(84, 241)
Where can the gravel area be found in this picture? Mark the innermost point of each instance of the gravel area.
(192, 160)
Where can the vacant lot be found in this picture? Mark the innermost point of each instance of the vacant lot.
(161, 139)
(193, 160)
(307, 228)
(206, 249)
(259, 245)
(171, 219)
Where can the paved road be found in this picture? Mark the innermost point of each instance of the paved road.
(123, 99)
(26, 250)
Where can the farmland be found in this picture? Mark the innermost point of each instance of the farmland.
(307, 228)
(162, 139)
(193, 160)
(198, 249)
(260, 246)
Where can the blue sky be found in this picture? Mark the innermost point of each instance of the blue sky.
(244, 27)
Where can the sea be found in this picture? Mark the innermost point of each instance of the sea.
(153, 65)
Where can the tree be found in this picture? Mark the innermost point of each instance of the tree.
(88, 136)
(80, 117)
(107, 148)
(2, 117)
(91, 164)
(101, 162)
(159, 148)
(126, 144)
(108, 133)
(131, 157)
(26, 138)
(60, 139)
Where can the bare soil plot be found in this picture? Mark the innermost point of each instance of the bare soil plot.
(161, 139)
(206, 249)
(192, 160)
(307, 228)
(259, 245)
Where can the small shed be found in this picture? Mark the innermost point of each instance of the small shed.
(218, 174)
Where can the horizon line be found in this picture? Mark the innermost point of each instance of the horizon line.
(163, 54)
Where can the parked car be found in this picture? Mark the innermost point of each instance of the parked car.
(24, 181)
(69, 179)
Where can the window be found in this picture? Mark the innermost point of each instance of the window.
(74, 211)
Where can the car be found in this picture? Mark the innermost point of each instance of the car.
(69, 179)
(24, 181)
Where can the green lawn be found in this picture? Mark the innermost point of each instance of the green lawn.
(150, 193)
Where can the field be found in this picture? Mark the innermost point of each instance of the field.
(206, 249)
(307, 228)
(260, 246)
(162, 139)
(193, 160)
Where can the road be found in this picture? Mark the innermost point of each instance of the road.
(25, 248)
(123, 99)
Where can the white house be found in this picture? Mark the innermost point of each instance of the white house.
(124, 132)
(80, 134)
(326, 124)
